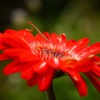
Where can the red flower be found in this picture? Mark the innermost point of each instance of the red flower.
(38, 59)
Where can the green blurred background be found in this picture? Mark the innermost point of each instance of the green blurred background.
(75, 18)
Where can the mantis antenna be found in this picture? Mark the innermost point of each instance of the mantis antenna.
(29, 22)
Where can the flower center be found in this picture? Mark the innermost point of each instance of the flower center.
(51, 53)
(45, 51)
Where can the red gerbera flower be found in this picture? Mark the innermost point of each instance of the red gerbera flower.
(38, 58)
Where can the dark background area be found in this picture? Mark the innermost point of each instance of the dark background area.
(75, 18)
(44, 11)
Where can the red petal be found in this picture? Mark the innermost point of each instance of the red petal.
(3, 57)
(21, 33)
(27, 55)
(14, 41)
(94, 80)
(58, 39)
(79, 83)
(55, 62)
(47, 35)
(28, 36)
(27, 73)
(10, 31)
(96, 71)
(40, 67)
(63, 36)
(80, 44)
(39, 37)
(2, 46)
(44, 81)
(13, 67)
(12, 52)
(53, 38)
(83, 53)
(70, 43)
(83, 66)
(95, 48)
(33, 81)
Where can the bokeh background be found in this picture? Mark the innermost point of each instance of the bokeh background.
(75, 18)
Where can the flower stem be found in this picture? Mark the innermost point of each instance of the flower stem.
(50, 93)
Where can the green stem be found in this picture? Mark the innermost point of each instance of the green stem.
(50, 93)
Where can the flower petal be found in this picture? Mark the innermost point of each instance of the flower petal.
(80, 44)
(95, 48)
(27, 56)
(13, 52)
(27, 73)
(55, 62)
(33, 81)
(94, 80)
(69, 44)
(63, 36)
(82, 53)
(45, 80)
(28, 36)
(3, 57)
(96, 71)
(53, 38)
(38, 37)
(14, 41)
(47, 35)
(40, 67)
(79, 83)
(10, 32)
(13, 67)
(84, 65)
